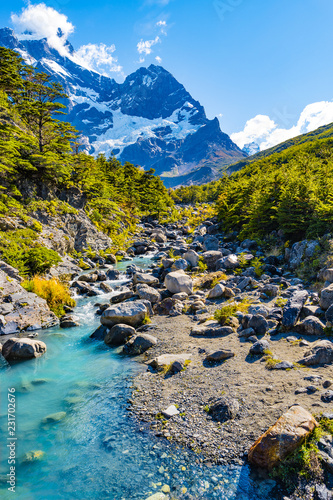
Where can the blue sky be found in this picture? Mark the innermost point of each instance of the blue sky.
(239, 58)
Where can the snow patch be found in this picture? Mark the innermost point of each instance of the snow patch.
(28, 59)
(56, 68)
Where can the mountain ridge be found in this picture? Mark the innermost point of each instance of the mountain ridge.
(150, 119)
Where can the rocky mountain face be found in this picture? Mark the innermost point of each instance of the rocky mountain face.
(149, 119)
(251, 148)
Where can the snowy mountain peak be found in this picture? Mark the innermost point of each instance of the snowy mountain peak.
(150, 119)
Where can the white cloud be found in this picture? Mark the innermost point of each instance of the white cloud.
(145, 47)
(44, 22)
(266, 133)
(98, 58)
(158, 59)
(162, 25)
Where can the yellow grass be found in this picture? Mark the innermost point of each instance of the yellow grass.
(55, 293)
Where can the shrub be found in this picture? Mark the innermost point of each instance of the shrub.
(55, 293)
(222, 315)
(39, 260)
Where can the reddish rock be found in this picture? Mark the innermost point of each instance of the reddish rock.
(284, 437)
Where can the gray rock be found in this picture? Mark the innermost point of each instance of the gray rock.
(167, 263)
(220, 355)
(69, 321)
(138, 344)
(329, 314)
(180, 264)
(327, 397)
(99, 333)
(229, 262)
(283, 365)
(327, 275)
(171, 411)
(271, 290)
(106, 288)
(180, 296)
(144, 278)
(169, 361)
(224, 409)
(217, 292)
(146, 292)
(248, 332)
(302, 250)
(259, 309)
(321, 353)
(259, 324)
(310, 326)
(121, 297)
(119, 334)
(178, 281)
(27, 311)
(24, 348)
(211, 258)
(326, 297)
(84, 289)
(129, 313)
(192, 257)
(259, 347)
(211, 329)
(293, 307)
(89, 278)
(210, 243)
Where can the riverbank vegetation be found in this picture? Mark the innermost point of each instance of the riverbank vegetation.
(41, 159)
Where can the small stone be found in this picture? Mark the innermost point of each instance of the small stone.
(327, 383)
(327, 397)
(54, 417)
(220, 355)
(171, 411)
(259, 347)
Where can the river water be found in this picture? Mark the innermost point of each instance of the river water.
(97, 451)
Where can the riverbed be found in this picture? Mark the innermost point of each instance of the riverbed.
(96, 450)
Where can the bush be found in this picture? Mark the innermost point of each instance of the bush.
(39, 260)
(222, 315)
(55, 293)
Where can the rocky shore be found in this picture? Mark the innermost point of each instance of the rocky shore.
(232, 338)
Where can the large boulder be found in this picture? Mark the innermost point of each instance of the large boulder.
(210, 258)
(192, 257)
(121, 297)
(210, 243)
(24, 348)
(146, 292)
(259, 324)
(302, 250)
(311, 325)
(284, 437)
(138, 344)
(180, 264)
(217, 292)
(144, 278)
(321, 353)
(22, 310)
(178, 281)
(326, 297)
(129, 313)
(119, 334)
(293, 307)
